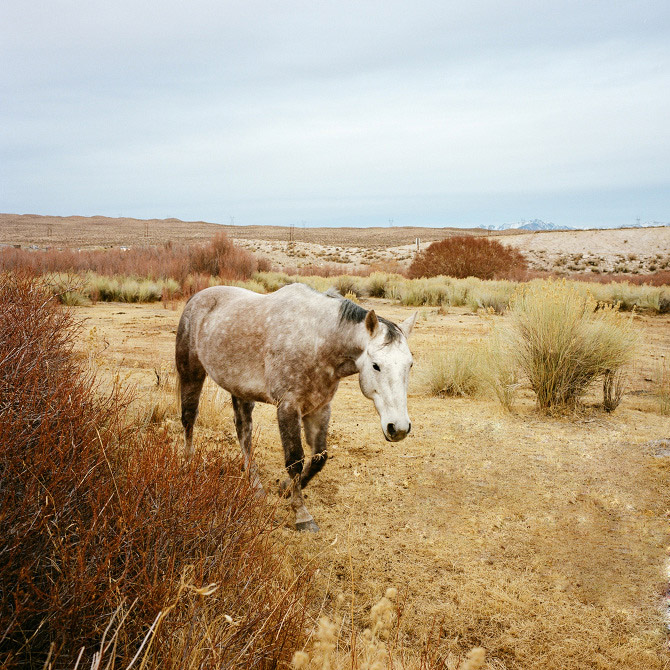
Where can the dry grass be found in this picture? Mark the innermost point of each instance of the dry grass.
(662, 390)
(455, 370)
(563, 342)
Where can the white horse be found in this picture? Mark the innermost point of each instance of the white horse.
(291, 348)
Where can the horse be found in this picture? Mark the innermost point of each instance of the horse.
(291, 348)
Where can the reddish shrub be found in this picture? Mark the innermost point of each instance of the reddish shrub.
(220, 257)
(660, 278)
(95, 514)
(468, 256)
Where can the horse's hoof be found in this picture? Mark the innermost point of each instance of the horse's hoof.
(307, 526)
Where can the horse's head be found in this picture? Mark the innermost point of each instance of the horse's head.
(383, 373)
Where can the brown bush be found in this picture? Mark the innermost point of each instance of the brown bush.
(468, 256)
(659, 278)
(219, 257)
(97, 517)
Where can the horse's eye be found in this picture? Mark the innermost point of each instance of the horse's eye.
(411, 365)
(375, 367)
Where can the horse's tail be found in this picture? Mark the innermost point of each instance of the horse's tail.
(177, 390)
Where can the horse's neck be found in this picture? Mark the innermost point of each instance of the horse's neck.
(347, 344)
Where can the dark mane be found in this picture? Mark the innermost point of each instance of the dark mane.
(350, 311)
(353, 313)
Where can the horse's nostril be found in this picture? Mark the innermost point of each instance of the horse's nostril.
(390, 429)
(409, 429)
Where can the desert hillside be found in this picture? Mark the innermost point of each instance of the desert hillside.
(629, 250)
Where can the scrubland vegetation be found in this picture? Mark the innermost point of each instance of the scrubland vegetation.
(455, 272)
(110, 544)
(112, 550)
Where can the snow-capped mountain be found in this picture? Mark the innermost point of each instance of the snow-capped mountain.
(645, 224)
(535, 224)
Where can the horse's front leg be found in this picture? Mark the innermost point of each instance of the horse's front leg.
(288, 417)
(316, 432)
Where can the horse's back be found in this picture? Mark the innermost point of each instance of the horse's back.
(231, 330)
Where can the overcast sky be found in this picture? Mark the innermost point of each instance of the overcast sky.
(337, 113)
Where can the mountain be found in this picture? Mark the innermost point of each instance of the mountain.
(646, 224)
(535, 224)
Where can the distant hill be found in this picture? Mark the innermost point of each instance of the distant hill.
(646, 224)
(535, 224)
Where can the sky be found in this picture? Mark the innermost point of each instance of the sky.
(429, 113)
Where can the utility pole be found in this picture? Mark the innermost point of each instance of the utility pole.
(291, 240)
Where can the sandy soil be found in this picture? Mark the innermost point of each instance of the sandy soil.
(542, 540)
(630, 249)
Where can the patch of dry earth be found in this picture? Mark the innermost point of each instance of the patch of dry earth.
(542, 540)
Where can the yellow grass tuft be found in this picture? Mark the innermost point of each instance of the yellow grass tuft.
(563, 341)
(454, 371)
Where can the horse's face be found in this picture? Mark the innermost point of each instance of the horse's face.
(383, 374)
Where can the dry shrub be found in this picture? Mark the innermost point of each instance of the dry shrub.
(658, 278)
(614, 384)
(468, 256)
(98, 517)
(219, 257)
(563, 341)
(349, 284)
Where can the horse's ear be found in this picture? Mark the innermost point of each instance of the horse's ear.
(407, 325)
(371, 323)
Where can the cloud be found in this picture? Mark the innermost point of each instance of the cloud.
(277, 111)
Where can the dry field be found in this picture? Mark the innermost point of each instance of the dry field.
(542, 540)
(637, 251)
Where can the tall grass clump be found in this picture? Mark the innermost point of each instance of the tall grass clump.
(499, 372)
(431, 292)
(468, 256)
(109, 543)
(454, 371)
(563, 341)
(663, 389)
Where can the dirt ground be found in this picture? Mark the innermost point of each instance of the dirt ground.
(544, 540)
(631, 249)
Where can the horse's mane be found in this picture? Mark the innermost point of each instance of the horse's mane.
(353, 313)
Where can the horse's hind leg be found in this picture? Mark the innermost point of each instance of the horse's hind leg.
(289, 429)
(191, 378)
(190, 398)
(244, 427)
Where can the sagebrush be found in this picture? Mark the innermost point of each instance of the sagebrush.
(563, 341)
